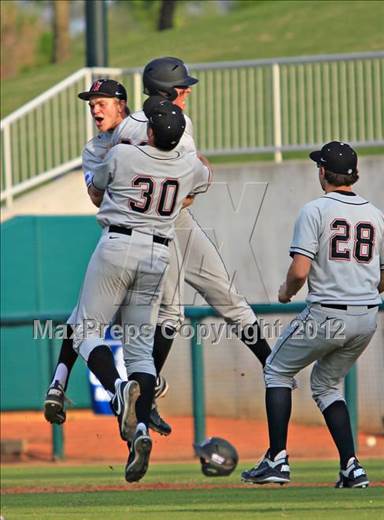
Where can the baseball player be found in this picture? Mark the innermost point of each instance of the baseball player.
(200, 265)
(338, 246)
(140, 190)
(108, 106)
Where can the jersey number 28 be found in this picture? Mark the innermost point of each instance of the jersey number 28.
(364, 235)
(169, 189)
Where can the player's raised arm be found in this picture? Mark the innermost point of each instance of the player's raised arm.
(203, 175)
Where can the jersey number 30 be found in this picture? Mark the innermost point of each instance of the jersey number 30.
(169, 189)
(364, 235)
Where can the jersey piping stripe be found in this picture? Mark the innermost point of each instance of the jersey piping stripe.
(179, 290)
(274, 354)
(299, 249)
(158, 158)
(349, 203)
(139, 120)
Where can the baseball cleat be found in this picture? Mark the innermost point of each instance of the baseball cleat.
(269, 471)
(161, 387)
(54, 404)
(354, 476)
(124, 407)
(157, 424)
(138, 459)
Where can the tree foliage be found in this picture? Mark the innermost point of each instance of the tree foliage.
(60, 31)
(21, 35)
(166, 15)
(149, 14)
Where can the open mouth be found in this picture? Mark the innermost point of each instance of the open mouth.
(99, 119)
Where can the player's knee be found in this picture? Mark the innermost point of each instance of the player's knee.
(273, 377)
(84, 347)
(322, 393)
(326, 397)
(318, 389)
(145, 366)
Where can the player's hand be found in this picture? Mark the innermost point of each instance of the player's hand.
(95, 195)
(283, 297)
(188, 201)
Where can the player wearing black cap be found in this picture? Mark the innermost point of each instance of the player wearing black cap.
(205, 271)
(108, 103)
(338, 247)
(128, 266)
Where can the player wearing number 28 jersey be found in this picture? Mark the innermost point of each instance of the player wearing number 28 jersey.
(340, 232)
(338, 246)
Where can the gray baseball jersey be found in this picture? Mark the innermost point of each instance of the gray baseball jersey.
(145, 187)
(127, 267)
(343, 235)
(193, 256)
(133, 130)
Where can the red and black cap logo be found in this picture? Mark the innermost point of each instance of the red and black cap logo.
(105, 88)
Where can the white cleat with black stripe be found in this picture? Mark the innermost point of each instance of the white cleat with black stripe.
(268, 471)
(161, 387)
(353, 476)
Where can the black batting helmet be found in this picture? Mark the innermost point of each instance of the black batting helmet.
(162, 75)
(217, 456)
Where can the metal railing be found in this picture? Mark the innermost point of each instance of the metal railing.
(196, 315)
(253, 106)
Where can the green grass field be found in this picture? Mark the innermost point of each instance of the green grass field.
(314, 500)
(260, 29)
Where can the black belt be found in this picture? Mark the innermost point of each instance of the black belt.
(128, 231)
(345, 307)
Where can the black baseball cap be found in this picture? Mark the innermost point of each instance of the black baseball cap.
(337, 157)
(166, 120)
(105, 88)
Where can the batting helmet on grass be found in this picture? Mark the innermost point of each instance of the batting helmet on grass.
(217, 456)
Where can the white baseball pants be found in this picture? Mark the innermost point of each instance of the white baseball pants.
(124, 272)
(332, 338)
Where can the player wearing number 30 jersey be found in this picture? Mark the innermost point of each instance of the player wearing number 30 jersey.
(140, 191)
(338, 246)
(145, 184)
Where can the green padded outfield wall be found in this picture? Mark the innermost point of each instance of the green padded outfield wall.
(43, 261)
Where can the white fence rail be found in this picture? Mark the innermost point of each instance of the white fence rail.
(278, 105)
